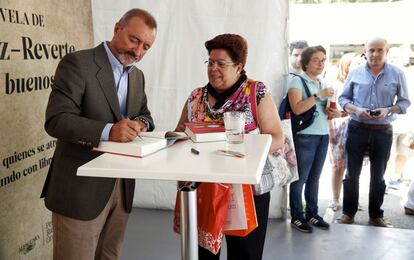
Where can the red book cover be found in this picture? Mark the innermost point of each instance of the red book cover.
(205, 131)
(206, 127)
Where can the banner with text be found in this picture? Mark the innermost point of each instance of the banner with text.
(35, 35)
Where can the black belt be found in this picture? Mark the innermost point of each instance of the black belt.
(369, 126)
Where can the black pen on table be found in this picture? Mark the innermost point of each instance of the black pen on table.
(194, 151)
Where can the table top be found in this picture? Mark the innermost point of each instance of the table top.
(178, 163)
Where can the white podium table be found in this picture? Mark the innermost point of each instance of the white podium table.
(178, 163)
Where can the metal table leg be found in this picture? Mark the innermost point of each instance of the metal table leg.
(188, 221)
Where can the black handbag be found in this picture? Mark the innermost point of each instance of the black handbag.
(301, 121)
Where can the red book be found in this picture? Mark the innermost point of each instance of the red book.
(205, 131)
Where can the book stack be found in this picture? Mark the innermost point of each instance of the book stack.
(205, 132)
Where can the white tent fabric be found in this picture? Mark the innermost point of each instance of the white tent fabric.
(174, 65)
(352, 23)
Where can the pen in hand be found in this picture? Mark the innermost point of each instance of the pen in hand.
(136, 129)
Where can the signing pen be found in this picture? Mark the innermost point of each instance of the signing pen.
(194, 151)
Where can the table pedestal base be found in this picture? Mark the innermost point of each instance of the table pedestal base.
(188, 222)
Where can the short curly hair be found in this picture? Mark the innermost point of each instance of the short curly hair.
(307, 54)
(235, 45)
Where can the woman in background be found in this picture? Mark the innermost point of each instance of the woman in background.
(311, 143)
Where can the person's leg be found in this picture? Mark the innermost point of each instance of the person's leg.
(78, 239)
(304, 147)
(204, 254)
(251, 246)
(410, 196)
(112, 235)
(337, 178)
(312, 184)
(400, 162)
(338, 161)
(75, 239)
(379, 153)
(333, 154)
(356, 145)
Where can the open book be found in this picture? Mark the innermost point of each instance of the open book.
(205, 131)
(151, 142)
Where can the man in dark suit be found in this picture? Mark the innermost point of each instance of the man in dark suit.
(97, 95)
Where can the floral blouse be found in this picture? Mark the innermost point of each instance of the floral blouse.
(199, 110)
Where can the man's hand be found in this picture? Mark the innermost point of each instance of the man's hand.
(383, 112)
(362, 113)
(126, 130)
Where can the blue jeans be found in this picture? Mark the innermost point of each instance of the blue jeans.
(310, 154)
(377, 142)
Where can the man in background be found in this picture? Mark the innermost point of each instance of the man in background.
(97, 95)
(373, 93)
(295, 51)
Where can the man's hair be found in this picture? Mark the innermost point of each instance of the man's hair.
(307, 54)
(376, 40)
(136, 12)
(298, 45)
(235, 45)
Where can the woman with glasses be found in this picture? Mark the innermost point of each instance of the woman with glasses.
(311, 143)
(229, 89)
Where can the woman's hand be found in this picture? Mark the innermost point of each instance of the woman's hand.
(326, 92)
(332, 113)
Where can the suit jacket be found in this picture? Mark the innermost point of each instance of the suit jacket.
(82, 101)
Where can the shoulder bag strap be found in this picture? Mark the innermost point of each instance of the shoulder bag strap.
(305, 86)
(253, 104)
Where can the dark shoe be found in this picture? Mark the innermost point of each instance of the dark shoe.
(301, 225)
(317, 221)
(345, 219)
(409, 211)
(379, 222)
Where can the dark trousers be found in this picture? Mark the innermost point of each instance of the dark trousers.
(377, 143)
(251, 246)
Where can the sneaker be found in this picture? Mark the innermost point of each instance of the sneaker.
(408, 211)
(379, 222)
(335, 206)
(317, 221)
(345, 219)
(394, 184)
(301, 225)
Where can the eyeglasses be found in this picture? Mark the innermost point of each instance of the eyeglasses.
(318, 61)
(220, 64)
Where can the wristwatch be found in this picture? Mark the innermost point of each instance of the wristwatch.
(316, 97)
(143, 120)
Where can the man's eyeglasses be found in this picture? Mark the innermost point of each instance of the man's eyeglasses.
(220, 64)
